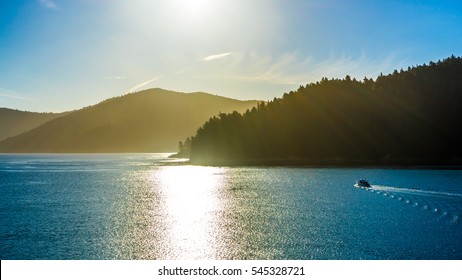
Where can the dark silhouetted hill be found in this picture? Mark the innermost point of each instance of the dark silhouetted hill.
(407, 117)
(153, 120)
(15, 122)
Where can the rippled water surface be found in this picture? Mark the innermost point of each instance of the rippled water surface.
(146, 206)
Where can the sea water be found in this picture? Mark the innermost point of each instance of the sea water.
(147, 206)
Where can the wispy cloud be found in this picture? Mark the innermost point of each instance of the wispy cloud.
(216, 56)
(49, 4)
(14, 95)
(292, 68)
(140, 85)
(116, 77)
(288, 68)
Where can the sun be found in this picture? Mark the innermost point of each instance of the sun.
(194, 9)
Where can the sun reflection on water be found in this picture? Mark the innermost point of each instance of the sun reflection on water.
(192, 208)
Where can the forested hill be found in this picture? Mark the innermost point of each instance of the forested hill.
(152, 120)
(15, 122)
(411, 116)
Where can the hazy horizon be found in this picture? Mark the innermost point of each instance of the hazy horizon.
(59, 55)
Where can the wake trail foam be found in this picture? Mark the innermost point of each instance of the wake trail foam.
(415, 191)
(446, 205)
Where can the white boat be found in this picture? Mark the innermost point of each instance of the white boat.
(363, 183)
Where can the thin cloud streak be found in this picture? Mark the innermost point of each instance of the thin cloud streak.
(48, 4)
(293, 69)
(140, 85)
(216, 56)
(13, 95)
(116, 77)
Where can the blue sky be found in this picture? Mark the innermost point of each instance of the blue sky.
(58, 55)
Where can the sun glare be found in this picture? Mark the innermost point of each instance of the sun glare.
(194, 9)
(195, 6)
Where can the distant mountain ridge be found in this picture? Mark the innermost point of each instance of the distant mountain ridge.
(15, 122)
(153, 120)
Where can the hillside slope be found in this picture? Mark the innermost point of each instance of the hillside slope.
(153, 120)
(15, 122)
(409, 117)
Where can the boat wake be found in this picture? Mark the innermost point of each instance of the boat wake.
(415, 191)
(447, 205)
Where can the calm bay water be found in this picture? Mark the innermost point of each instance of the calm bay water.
(146, 206)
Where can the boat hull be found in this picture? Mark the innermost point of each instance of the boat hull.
(363, 184)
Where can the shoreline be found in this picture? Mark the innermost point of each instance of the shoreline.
(280, 162)
(396, 164)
